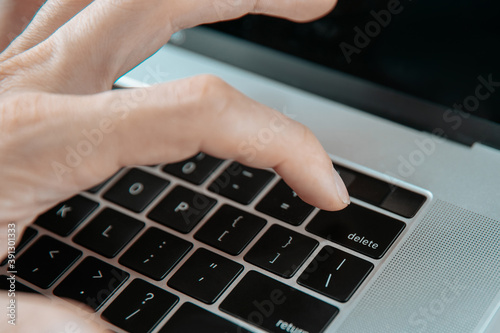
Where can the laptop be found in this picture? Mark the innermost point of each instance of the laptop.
(404, 96)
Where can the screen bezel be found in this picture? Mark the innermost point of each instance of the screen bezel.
(340, 87)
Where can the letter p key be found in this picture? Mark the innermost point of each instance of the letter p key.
(182, 207)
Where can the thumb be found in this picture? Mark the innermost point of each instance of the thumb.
(33, 313)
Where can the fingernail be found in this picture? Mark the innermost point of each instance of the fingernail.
(341, 189)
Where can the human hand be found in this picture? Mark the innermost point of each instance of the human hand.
(54, 87)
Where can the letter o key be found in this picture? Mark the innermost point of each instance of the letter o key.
(136, 189)
(188, 168)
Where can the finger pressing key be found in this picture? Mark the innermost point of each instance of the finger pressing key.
(176, 120)
(159, 124)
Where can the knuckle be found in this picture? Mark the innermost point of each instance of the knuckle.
(306, 135)
(211, 92)
(19, 112)
(230, 8)
(210, 84)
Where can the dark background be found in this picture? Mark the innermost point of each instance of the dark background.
(433, 49)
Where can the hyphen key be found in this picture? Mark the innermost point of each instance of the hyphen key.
(358, 228)
(276, 307)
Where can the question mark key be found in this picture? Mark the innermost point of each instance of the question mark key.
(140, 307)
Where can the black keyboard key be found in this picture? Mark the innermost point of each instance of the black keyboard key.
(230, 229)
(28, 235)
(99, 186)
(205, 276)
(108, 232)
(364, 187)
(192, 319)
(11, 285)
(369, 189)
(45, 261)
(155, 253)
(136, 190)
(276, 307)
(92, 282)
(66, 216)
(182, 209)
(358, 228)
(347, 176)
(281, 251)
(403, 202)
(140, 307)
(335, 273)
(284, 204)
(241, 183)
(379, 193)
(196, 169)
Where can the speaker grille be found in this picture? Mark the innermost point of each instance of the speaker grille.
(442, 279)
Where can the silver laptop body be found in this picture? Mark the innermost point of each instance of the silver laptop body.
(441, 274)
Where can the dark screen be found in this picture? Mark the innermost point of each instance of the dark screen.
(432, 49)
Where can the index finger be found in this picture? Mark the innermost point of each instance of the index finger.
(173, 121)
(206, 114)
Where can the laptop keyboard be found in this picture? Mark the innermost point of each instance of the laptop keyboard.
(358, 228)
(206, 245)
(45, 261)
(182, 209)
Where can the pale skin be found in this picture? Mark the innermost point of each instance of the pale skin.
(55, 81)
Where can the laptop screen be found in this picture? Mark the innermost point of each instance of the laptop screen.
(445, 52)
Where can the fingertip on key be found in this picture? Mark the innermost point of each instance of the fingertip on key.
(341, 188)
